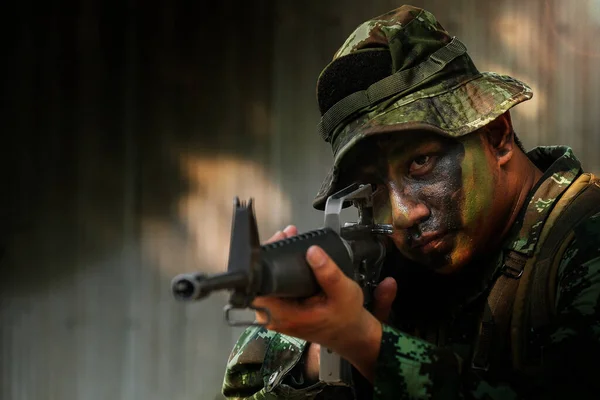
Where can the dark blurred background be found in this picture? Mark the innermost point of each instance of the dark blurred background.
(129, 126)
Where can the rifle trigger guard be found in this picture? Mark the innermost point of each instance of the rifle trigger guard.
(233, 322)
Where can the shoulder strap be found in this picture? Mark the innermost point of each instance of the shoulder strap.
(506, 303)
(534, 304)
(497, 311)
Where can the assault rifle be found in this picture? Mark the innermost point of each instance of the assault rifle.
(280, 269)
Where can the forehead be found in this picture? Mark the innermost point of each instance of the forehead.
(376, 152)
(398, 144)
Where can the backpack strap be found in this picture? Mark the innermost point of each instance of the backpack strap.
(534, 304)
(506, 313)
(497, 311)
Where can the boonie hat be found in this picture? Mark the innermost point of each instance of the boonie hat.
(400, 72)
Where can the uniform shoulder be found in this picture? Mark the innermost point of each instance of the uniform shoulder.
(579, 268)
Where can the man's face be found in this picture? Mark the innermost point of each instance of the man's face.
(438, 194)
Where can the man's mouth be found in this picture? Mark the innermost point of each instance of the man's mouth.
(428, 241)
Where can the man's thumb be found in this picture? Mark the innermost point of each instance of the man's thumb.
(384, 296)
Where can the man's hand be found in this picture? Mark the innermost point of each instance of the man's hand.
(336, 318)
(384, 296)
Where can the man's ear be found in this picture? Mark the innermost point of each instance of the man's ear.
(499, 134)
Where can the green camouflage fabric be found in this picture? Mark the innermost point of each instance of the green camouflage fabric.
(541, 205)
(453, 102)
(259, 363)
(433, 360)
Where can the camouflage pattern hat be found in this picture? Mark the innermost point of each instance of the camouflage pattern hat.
(400, 72)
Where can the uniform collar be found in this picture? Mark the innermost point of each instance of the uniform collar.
(560, 168)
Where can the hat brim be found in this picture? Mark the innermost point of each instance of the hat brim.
(451, 111)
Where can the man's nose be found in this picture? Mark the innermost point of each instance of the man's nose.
(407, 210)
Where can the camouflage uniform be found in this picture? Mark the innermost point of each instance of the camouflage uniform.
(426, 350)
(433, 361)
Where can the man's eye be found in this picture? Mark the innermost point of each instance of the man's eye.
(419, 163)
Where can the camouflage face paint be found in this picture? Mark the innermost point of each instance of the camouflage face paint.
(478, 183)
(435, 191)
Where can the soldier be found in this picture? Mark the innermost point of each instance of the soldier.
(494, 291)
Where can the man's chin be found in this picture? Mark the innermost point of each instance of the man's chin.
(440, 263)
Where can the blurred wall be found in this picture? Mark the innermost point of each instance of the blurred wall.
(128, 129)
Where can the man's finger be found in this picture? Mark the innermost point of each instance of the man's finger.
(279, 235)
(329, 276)
(290, 231)
(384, 296)
(267, 307)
